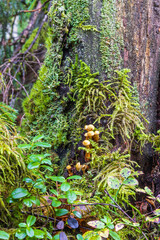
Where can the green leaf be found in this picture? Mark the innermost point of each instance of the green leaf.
(96, 224)
(114, 235)
(19, 193)
(75, 177)
(46, 161)
(39, 233)
(22, 225)
(42, 144)
(65, 186)
(31, 220)
(130, 181)
(25, 146)
(113, 182)
(57, 178)
(148, 191)
(27, 202)
(79, 237)
(35, 200)
(33, 165)
(30, 232)
(49, 235)
(61, 212)
(4, 235)
(56, 237)
(71, 196)
(21, 233)
(77, 214)
(157, 212)
(54, 192)
(28, 180)
(36, 138)
(56, 203)
(125, 172)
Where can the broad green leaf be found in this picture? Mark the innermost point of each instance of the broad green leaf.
(125, 172)
(30, 220)
(79, 237)
(36, 138)
(39, 233)
(28, 180)
(114, 235)
(71, 196)
(30, 231)
(75, 177)
(56, 203)
(148, 191)
(106, 220)
(61, 212)
(46, 161)
(4, 235)
(157, 212)
(91, 235)
(35, 200)
(19, 193)
(56, 237)
(65, 186)
(49, 235)
(42, 144)
(33, 165)
(21, 233)
(57, 178)
(113, 182)
(77, 214)
(54, 192)
(22, 225)
(96, 224)
(25, 146)
(130, 181)
(27, 202)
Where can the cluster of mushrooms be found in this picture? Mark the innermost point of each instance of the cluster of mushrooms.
(89, 135)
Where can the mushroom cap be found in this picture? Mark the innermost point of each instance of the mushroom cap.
(96, 133)
(68, 167)
(90, 127)
(86, 134)
(90, 134)
(78, 166)
(84, 167)
(85, 127)
(86, 143)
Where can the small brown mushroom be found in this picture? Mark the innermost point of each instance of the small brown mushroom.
(90, 134)
(84, 168)
(96, 136)
(86, 143)
(89, 127)
(69, 168)
(87, 157)
(78, 167)
(86, 136)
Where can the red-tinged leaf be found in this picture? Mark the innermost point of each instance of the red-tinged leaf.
(96, 224)
(104, 233)
(63, 236)
(73, 223)
(60, 225)
(119, 226)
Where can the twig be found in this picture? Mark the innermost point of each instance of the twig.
(34, 10)
(124, 212)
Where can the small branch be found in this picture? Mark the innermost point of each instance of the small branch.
(34, 10)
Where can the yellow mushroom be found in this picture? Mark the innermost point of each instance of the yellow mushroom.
(96, 136)
(87, 157)
(86, 136)
(89, 127)
(78, 167)
(84, 168)
(69, 170)
(90, 134)
(86, 143)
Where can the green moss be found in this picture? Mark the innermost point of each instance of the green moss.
(111, 38)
